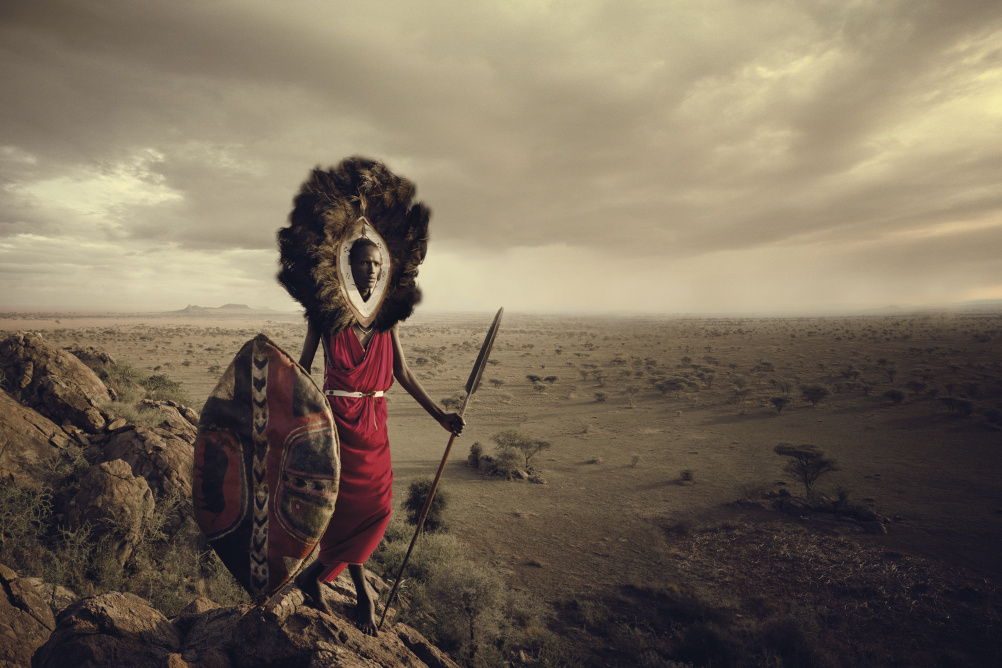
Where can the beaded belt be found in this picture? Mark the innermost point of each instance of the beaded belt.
(342, 393)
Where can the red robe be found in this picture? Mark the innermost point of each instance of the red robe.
(364, 496)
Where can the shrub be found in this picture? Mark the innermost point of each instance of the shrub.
(476, 452)
(779, 403)
(897, 396)
(414, 504)
(600, 397)
(160, 387)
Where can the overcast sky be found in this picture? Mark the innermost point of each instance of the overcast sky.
(673, 156)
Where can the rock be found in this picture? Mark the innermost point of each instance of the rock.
(417, 643)
(28, 440)
(111, 630)
(177, 418)
(117, 424)
(56, 596)
(113, 501)
(161, 456)
(95, 358)
(26, 620)
(873, 527)
(52, 381)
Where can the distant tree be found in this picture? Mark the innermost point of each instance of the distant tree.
(550, 379)
(631, 392)
(496, 382)
(600, 396)
(780, 403)
(739, 382)
(533, 378)
(806, 462)
(814, 393)
(784, 386)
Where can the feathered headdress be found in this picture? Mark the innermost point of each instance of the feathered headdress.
(326, 211)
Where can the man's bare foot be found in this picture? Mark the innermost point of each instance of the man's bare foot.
(308, 582)
(365, 609)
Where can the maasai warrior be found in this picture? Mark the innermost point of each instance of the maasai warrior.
(360, 365)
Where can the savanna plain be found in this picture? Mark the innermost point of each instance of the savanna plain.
(656, 525)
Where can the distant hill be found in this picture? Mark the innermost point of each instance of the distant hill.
(224, 310)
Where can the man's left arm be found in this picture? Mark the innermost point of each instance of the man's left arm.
(452, 422)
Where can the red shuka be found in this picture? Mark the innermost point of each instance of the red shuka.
(363, 505)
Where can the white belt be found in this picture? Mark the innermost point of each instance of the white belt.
(342, 393)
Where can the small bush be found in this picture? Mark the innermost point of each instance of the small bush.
(687, 475)
(476, 452)
(414, 504)
(600, 397)
(897, 396)
(162, 388)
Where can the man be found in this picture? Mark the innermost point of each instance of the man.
(360, 365)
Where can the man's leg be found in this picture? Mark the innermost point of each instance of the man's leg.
(308, 582)
(365, 609)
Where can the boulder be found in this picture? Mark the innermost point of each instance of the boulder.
(56, 596)
(95, 358)
(28, 440)
(111, 630)
(25, 619)
(161, 456)
(52, 381)
(115, 502)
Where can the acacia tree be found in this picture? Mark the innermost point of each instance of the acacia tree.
(780, 403)
(814, 393)
(513, 440)
(806, 462)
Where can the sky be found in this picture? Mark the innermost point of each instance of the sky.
(704, 156)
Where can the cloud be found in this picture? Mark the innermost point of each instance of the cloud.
(676, 133)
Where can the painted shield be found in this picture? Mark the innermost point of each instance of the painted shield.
(266, 467)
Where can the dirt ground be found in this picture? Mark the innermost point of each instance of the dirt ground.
(615, 469)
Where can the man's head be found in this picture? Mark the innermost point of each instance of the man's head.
(366, 265)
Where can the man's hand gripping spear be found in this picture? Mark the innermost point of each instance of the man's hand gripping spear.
(471, 386)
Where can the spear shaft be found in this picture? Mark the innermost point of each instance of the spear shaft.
(471, 386)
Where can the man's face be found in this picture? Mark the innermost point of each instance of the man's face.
(366, 266)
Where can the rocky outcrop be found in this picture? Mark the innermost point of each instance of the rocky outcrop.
(115, 502)
(122, 630)
(162, 456)
(25, 619)
(52, 381)
(110, 630)
(28, 440)
(181, 420)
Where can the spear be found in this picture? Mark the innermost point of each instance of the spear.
(471, 386)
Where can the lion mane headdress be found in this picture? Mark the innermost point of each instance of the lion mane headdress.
(331, 206)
